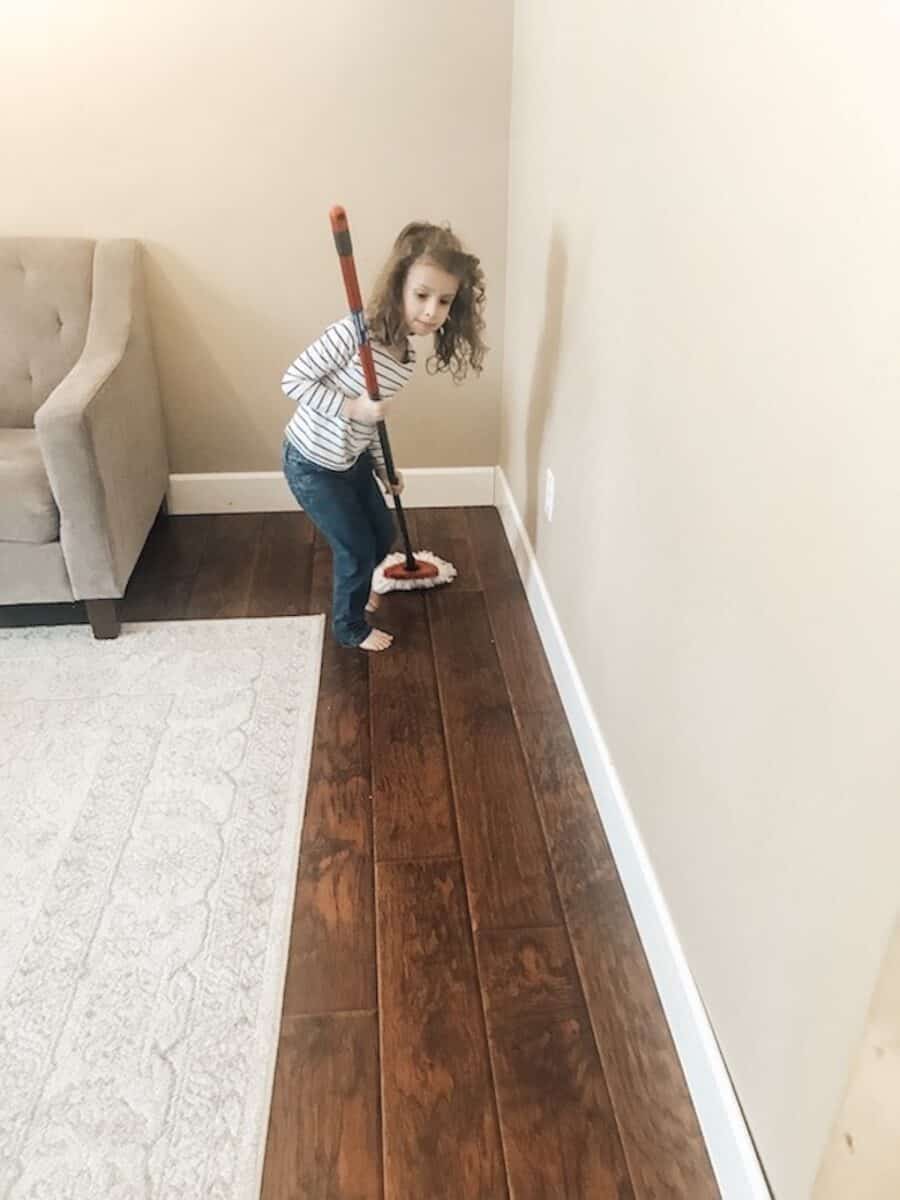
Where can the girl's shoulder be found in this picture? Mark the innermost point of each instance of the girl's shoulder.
(344, 330)
(338, 340)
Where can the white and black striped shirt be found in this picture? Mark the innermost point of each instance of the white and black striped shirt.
(324, 375)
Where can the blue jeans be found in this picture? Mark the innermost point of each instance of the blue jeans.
(349, 510)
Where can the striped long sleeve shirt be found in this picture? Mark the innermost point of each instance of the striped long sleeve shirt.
(324, 375)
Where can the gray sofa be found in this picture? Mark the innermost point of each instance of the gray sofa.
(83, 468)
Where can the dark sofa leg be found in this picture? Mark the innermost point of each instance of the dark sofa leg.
(103, 618)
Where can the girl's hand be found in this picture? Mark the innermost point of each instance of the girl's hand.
(396, 488)
(363, 408)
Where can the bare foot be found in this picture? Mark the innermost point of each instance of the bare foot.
(372, 603)
(377, 640)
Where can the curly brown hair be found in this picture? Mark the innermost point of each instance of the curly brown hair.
(457, 344)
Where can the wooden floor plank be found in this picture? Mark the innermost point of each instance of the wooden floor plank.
(159, 588)
(152, 598)
(559, 1129)
(331, 964)
(282, 573)
(445, 532)
(174, 547)
(224, 580)
(493, 558)
(660, 1133)
(557, 1122)
(527, 971)
(507, 870)
(441, 1139)
(324, 1134)
(413, 801)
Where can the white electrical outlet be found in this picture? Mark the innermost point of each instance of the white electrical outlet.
(549, 494)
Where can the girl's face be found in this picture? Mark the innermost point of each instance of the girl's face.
(427, 296)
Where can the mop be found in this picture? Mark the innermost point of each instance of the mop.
(398, 572)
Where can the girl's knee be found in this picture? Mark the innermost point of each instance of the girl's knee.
(352, 566)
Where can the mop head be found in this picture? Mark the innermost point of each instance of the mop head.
(392, 575)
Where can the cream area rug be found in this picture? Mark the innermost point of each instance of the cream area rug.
(151, 797)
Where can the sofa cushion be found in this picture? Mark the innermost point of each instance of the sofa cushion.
(28, 512)
(45, 302)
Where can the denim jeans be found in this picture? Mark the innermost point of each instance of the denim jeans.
(349, 510)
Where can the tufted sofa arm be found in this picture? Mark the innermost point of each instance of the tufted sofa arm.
(101, 432)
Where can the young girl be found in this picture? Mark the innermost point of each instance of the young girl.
(429, 287)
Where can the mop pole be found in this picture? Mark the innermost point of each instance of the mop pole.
(340, 227)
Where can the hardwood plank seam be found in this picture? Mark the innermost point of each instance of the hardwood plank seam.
(500, 1020)
(318, 1014)
(473, 556)
(254, 567)
(417, 858)
(521, 928)
(451, 773)
(206, 548)
(379, 1107)
(580, 972)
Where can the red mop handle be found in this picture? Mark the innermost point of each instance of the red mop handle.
(340, 227)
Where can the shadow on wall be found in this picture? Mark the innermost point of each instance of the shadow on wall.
(200, 338)
(860, 1158)
(543, 384)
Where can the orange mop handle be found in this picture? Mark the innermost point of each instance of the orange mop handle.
(340, 227)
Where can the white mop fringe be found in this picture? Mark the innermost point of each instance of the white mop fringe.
(446, 572)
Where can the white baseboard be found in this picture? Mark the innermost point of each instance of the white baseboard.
(266, 491)
(731, 1150)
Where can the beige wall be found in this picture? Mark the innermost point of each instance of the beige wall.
(701, 341)
(220, 134)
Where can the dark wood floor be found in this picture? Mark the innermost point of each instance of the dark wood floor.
(468, 1012)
